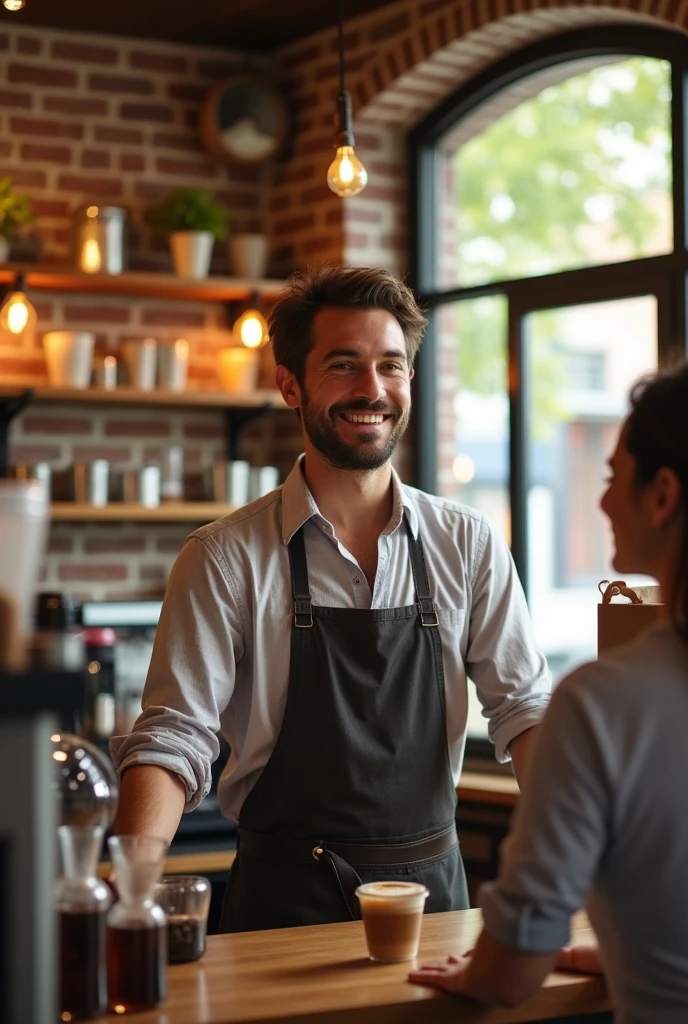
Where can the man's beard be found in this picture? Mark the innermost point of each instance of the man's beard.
(322, 432)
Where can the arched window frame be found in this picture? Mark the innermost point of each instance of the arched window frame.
(664, 276)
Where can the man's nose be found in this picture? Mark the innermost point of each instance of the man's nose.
(369, 384)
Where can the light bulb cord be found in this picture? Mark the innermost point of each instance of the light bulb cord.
(340, 34)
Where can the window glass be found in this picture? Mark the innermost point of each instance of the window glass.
(581, 362)
(576, 174)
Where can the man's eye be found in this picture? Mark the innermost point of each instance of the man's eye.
(340, 366)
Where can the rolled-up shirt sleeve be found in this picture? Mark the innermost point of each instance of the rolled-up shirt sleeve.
(510, 673)
(559, 832)
(190, 680)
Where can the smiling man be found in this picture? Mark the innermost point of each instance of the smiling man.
(327, 630)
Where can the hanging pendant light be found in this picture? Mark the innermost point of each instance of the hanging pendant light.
(17, 314)
(346, 175)
(13, 5)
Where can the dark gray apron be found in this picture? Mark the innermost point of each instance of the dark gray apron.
(359, 785)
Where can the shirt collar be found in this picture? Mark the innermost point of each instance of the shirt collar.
(298, 504)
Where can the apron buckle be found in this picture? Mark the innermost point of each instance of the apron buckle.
(303, 612)
(428, 612)
(317, 852)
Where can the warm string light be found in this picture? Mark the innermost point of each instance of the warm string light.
(17, 314)
(251, 329)
(346, 175)
(13, 5)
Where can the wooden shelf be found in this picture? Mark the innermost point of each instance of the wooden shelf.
(130, 396)
(122, 511)
(140, 284)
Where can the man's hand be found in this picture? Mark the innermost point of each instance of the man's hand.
(583, 958)
(448, 976)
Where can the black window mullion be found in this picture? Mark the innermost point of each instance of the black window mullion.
(519, 470)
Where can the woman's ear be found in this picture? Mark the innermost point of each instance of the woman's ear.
(666, 496)
(289, 386)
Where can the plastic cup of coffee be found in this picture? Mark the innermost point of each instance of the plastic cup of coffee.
(392, 914)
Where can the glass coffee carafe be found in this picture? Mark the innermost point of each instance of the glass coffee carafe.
(136, 926)
(81, 902)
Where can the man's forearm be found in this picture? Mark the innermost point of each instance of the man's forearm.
(520, 748)
(151, 802)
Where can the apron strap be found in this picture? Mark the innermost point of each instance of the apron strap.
(303, 608)
(426, 606)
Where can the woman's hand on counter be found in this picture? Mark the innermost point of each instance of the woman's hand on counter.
(584, 958)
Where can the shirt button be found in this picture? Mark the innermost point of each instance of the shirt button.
(357, 580)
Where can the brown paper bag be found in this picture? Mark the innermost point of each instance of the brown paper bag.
(621, 622)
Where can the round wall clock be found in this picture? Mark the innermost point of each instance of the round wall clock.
(244, 120)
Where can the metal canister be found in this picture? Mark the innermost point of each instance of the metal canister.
(100, 239)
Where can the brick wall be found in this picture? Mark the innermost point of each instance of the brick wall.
(114, 119)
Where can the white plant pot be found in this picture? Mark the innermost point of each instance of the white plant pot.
(4, 250)
(237, 369)
(191, 253)
(249, 255)
(68, 358)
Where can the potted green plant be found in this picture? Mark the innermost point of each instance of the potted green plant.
(15, 210)
(192, 218)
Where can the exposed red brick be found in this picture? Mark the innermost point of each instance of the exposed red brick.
(87, 452)
(57, 129)
(114, 545)
(5, 147)
(204, 431)
(172, 318)
(129, 136)
(152, 190)
(191, 118)
(218, 68)
(131, 162)
(385, 192)
(186, 168)
(389, 27)
(74, 571)
(137, 428)
(187, 92)
(243, 175)
(21, 454)
(326, 72)
(315, 145)
(157, 573)
(60, 545)
(335, 216)
(57, 425)
(395, 242)
(4, 41)
(309, 100)
(15, 99)
(24, 178)
(357, 240)
(279, 203)
(95, 158)
(288, 175)
(50, 154)
(44, 310)
(97, 188)
(120, 84)
(155, 112)
(50, 208)
(37, 75)
(67, 105)
(290, 224)
(317, 194)
(169, 545)
(239, 200)
(169, 140)
(158, 62)
(321, 244)
(29, 44)
(352, 40)
(433, 5)
(97, 313)
(362, 215)
(386, 167)
(305, 55)
(442, 31)
(84, 53)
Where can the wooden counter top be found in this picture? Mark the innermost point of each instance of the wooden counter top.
(321, 975)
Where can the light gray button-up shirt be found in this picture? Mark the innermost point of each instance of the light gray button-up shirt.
(221, 655)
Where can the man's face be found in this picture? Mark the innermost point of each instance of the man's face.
(356, 396)
(625, 503)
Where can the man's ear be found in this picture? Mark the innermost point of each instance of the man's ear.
(666, 495)
(289, 386)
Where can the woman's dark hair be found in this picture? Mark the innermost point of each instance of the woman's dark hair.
(307, 293)
(657, 436)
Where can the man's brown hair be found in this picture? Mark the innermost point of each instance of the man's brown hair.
(291, 319)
